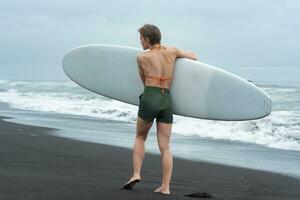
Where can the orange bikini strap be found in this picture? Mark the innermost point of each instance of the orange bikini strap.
(162, 81)
(161, 46)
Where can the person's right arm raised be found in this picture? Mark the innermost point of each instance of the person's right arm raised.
(184, 54)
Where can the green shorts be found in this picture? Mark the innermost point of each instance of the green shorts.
(155, 104)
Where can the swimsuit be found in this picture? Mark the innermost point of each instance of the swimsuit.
(162, 81)
(155, 102)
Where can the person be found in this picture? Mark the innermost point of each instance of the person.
(156, 68)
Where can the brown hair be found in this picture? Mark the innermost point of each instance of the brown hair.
(152, 32)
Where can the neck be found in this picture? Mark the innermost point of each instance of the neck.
(154, 46)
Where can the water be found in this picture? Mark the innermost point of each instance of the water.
(279, 130)
(261, 144)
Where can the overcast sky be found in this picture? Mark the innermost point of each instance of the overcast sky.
(256, 39)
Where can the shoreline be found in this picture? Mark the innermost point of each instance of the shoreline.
(38, 165)
(250, 156)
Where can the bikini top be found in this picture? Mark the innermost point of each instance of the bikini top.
(161, 79)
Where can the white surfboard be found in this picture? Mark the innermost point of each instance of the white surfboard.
(198, 90)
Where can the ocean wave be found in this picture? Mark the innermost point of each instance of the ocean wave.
(280, 130)
(69, 103)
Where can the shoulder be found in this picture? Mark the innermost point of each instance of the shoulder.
(172, 49)
(141, 56)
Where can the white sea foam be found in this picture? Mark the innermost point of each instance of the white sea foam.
(68, 103)
(279, 130)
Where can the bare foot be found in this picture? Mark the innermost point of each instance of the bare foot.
(162, 190)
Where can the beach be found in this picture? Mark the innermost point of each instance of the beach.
(72, 75)
(38, 165)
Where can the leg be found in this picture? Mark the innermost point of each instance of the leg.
(142, 129)
(163, 138)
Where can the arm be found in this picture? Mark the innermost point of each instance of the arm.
(138, 60)
(185, 54)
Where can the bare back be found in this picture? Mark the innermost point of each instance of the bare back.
(158, 62)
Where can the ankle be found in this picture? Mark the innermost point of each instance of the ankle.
(165, 187)
(136, 176)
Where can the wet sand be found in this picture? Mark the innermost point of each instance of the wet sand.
(37, 165)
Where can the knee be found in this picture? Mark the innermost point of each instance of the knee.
(141, 138)
(164, 148)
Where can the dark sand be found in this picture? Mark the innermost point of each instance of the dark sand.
(36, 165)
